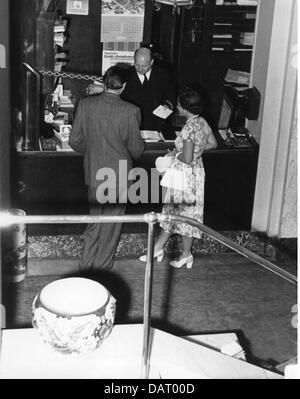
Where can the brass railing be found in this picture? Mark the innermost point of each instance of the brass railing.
(7, 219)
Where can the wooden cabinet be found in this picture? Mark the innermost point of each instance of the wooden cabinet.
(209, 40)
(53, 183)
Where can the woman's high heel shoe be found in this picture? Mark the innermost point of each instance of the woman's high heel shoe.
(158, 256)
(188, 261)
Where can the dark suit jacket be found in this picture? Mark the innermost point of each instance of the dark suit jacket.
(159, 90)
(106, 130)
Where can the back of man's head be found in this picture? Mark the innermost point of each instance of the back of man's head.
(115, 77)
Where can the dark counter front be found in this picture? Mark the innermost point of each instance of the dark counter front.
(53, 183)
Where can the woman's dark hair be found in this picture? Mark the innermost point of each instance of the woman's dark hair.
(191, 100)
(115, 77)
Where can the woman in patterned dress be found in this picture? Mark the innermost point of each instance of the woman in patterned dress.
(196, 129)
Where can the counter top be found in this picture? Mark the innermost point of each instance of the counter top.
(158, 149)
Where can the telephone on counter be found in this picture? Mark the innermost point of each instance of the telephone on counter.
(240, 138)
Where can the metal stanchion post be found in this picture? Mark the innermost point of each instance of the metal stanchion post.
(152, 219)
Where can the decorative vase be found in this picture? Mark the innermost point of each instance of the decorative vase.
(73, 315)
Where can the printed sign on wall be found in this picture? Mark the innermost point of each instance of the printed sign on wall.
(111, 58)
(78, 7)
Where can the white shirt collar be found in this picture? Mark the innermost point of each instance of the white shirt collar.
(141, 77)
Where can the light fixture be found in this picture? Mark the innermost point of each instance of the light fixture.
(176, 2)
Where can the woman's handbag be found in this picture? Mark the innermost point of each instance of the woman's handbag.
(180, 181)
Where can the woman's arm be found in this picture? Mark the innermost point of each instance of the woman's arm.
(211, 142)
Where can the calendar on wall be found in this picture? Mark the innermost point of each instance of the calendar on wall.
(122, 20)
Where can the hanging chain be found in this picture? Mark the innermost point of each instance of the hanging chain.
(71, 75)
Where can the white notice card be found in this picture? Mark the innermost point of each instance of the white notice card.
(162, 111)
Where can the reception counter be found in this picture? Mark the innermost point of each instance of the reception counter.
(52, 182)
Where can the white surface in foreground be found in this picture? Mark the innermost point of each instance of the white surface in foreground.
(24, 356)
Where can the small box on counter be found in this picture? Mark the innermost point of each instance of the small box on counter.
(62, 138)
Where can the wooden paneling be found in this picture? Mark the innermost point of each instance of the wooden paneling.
(83, 41)
(22, 31)
(53, 183)
(185, 40)
(4, 130)
(5, 124)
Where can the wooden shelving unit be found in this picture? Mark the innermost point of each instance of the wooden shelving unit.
(212, 39)
(231, 27)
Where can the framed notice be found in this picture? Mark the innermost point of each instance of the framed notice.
(78, 7)
(111, 58)
(122, 20)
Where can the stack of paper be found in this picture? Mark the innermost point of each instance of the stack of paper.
(58, 66)
(59, 39)
(238, 77)
(66, 102)
(60, 27)
(247, 38)
(222, 39)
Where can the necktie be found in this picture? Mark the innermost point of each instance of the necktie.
(145, 80)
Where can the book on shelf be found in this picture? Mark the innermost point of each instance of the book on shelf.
(223, 23)
(60, 25)
(250, 15)
(61, 55)
(246, 2)
(222, 35)
(59, 29)
(58, 66)
(245, 49)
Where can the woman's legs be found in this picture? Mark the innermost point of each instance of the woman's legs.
(187, 246)
(162, 239)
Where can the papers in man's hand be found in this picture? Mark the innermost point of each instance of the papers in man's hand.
(152, 135)
(162, 111)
